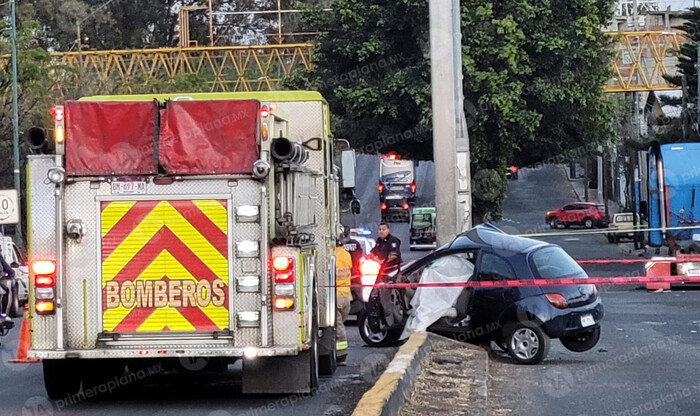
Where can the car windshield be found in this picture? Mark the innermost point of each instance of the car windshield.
(421, 221)
(553, 262)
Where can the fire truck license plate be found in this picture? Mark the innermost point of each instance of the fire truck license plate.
(128, 188)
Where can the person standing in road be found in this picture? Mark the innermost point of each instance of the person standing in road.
(353, 247)
(6, 280)
(343, 274)
(388, 249)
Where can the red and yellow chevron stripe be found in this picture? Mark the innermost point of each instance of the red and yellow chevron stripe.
(164, 265)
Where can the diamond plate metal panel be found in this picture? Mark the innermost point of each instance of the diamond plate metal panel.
(308, 120)
(246, 192)
(41, 227)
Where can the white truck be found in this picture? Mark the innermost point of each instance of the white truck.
(167, 228)
(397, 187)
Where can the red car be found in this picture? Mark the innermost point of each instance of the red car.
(579, 213)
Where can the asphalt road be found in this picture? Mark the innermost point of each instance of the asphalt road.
(23, 394)
(370, 213)
(647, 360)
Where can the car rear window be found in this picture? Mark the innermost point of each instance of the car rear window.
(553, 262)
(624, 218)
(600, 207)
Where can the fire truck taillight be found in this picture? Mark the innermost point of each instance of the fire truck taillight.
(380, 187)
(284, 302)
(383, 206)
(44, 279)
(57, 113)
(43, 267)
(284, 269)
(405, 206)
(264, 112)
(44, 307)
(413, 187)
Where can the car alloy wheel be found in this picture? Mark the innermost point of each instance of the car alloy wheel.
(588, 223)
(527, 343)
(554, 223)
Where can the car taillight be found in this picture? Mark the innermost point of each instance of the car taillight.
(369, 269)
(556, 299)
(383, 206)
(380, 187)
(44, 272)
(513, 169)
(405, 206)
(283, 269)
(413, 187)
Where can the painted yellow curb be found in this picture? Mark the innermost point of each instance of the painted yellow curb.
(373, 402)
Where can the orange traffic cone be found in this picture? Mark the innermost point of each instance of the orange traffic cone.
(23, 345)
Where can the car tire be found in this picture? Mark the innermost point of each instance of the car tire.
(567, 225)
(616, 239)
(377, 340)
(588, 223)
(610, 239)
(553, 223)
(526, 342)
(583, 341)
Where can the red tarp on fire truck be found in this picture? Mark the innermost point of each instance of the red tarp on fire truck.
(209, 137)
(109, 138)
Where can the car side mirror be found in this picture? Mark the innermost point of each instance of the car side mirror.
(14, 265)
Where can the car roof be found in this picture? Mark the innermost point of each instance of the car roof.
(490, 236)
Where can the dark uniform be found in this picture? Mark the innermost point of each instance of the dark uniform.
(353, 247)
(386, 247)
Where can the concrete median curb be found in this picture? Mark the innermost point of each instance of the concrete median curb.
(389, 394)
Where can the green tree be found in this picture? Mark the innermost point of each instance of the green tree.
(534, 72)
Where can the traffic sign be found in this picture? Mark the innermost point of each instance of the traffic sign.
(9, 207)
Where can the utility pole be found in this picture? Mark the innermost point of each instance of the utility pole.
(15, 114)
(448, 114)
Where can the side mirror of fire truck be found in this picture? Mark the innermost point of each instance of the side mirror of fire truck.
(355, 206)
(348, 165)
(36, 139)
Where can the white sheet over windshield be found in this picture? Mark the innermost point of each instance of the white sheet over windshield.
(432, 303)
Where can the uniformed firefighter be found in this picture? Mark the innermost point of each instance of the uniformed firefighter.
(388, 249)
(343, 274)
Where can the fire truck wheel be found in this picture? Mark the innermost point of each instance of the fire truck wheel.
(314, 346)
(97, 373)
(61, 378)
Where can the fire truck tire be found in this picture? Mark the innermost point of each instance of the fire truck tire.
(61, 378)
(98, 373)
(315, 365)
(327, 363)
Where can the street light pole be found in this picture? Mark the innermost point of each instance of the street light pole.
(15, 112)
(450, 140)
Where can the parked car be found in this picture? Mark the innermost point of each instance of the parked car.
(522, 320)
(586, 214)
(622, 226)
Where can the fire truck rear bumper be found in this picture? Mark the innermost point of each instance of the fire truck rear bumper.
(165, 352)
